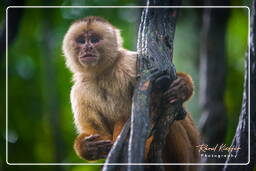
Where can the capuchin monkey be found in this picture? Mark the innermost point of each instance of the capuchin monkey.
(104, 75)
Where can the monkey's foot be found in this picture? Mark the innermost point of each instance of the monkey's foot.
(94, 149)
(178, 91)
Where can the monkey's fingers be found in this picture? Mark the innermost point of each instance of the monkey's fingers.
(103, 142)
(103, 156)
(174, 94)
(172, 100)
(91, 137)
(179, 86)
(91, 150)
(173, 97)
(99, 149)
(169, 93)
(93, 154)
(155, 72)
(104, 149)
(176, 87)
(175, 82)
(103, 153)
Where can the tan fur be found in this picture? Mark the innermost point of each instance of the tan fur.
(101, 94)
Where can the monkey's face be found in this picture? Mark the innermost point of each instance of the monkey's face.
(87, 46)
(91, 46)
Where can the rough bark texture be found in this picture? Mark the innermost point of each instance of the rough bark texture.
(155, 73)
(213, 122)
(241, 136)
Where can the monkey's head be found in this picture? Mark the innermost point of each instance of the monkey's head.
(91, 43)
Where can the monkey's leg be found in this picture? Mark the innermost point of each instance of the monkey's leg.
(117, 129)
(147, 147)
(180, 146)
(92, 146)
(181, 88)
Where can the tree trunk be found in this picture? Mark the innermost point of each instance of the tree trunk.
(241, 137)
(155, 74)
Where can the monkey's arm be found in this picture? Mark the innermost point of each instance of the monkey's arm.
(92, 147)
(93, 142)
(181, 89)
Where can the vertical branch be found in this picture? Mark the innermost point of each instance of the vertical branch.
(155, 47)
(252, 99)
(241, 137)
(155, 73)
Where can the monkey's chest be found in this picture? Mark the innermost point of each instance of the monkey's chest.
(113, 103)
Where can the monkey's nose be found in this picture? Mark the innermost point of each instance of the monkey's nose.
(88, 47)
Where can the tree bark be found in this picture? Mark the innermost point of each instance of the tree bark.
(241, 137)
(155, 74)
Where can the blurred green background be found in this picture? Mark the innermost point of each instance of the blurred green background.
(40, 121)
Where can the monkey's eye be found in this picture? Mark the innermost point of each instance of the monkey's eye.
(95, 39)
(80, 39)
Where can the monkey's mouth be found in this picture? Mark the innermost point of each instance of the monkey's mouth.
(88, 58)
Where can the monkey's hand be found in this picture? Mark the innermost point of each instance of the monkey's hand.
(91, 148)
(181, 89)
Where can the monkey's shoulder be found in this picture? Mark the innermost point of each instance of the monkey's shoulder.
(127, 64)
(84, 91)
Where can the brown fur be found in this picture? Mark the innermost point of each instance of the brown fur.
(101, 94)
